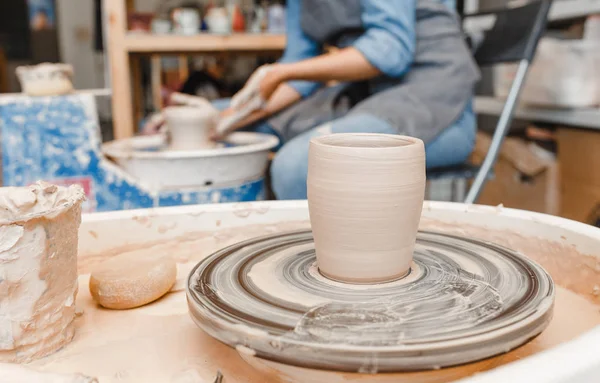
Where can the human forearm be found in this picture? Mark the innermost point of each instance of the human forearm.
(283, 97)
(347, 64)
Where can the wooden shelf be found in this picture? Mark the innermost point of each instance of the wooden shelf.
(3, 72)
(142, 43)
(124, 51)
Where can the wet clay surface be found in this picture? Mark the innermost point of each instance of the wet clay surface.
(160, 343)
(446, 312)
(570, 269)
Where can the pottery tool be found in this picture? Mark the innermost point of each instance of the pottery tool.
(219, 377)
(464, 300)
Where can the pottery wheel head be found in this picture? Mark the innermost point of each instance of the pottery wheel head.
(464, 300)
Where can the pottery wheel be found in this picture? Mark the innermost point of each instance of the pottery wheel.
(464, 300)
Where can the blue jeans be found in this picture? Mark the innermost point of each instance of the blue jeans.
(290, 166)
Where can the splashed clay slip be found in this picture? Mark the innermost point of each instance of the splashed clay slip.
(38, 269)
(365, 194)
(189, 126)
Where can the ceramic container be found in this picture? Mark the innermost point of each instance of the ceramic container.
(46, 79)
(161, 26)
(244, 157)
(38, 266)
(276, 17)
(217, 19)
(186, 21)
(365, 195)
(189, 127)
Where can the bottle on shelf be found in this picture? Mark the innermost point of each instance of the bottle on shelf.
(217, 19)
(238, 23)
(276, 17)
(257, 20)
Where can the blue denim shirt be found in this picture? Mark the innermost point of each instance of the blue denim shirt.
(388, 42)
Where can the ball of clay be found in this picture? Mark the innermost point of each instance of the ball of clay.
(129, 281)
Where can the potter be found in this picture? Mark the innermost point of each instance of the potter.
(399, 67)
(365, 195)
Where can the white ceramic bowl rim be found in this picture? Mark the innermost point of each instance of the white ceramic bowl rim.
(250, 142)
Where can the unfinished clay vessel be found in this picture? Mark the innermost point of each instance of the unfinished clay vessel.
(189, 127)
(46, 79)
(365, 195)
(38, 269)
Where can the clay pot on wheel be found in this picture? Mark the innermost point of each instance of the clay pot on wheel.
(365, 195)
(189, 127)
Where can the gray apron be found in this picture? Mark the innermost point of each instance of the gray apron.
(428, 99)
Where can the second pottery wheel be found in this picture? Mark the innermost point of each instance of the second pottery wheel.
(464, 300)
(241, 157)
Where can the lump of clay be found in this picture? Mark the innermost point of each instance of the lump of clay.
(46, 79)
(132, 280)
(38, 269)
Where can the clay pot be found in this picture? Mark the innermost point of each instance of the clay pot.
(365, 194)
(189, 127)
(46, 79)
(218, 21)
(39, 227)
(186, 21)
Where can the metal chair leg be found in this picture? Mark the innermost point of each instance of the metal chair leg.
(459, 188)
(499, 134)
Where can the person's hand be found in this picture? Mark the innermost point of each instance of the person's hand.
(219, 131)
(154, 125)
(271, 82)
(249, 103)
(250, 96)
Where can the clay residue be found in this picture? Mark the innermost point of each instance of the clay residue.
(458, 288)
(18, 204)
(39, 284)
(243, 210)
(160, 341)
(568, 267)
(190, 248)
